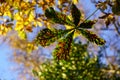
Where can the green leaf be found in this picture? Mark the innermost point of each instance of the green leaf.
(57, 17)
(63, 48)
(87, 24)
(50, 13)
(92, 37)
(75, 14)
(46, 36)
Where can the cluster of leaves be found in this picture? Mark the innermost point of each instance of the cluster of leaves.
(79, 66)
(46, 36)
(23, 12)
(21, 16)
(113, 4)
(110, 9)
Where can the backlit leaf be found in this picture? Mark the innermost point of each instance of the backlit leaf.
(46, 36)
(57, 17)
(63, 48)
(75, 14)
(75, 1)
(4, 29)
(22, 34)
(92, 37)
(87, 24)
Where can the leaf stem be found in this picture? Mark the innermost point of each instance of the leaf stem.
(91, 14)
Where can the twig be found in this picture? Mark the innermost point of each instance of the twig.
(91, 14)
(117, 29)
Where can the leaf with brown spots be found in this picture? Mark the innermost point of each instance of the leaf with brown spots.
(63, 48)
(46, 36)
(92, 37)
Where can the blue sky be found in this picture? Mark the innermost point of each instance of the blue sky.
(6, 65)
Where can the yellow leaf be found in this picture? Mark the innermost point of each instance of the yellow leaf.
(8, 13)
(19, 26)
(23, 5)
(37, 23)
(0, 32)
(22, 34)
(30, 47)
(75, 1)
(26, 12)
(1, 13)
(26, 23)
(17, 16)
(4, 29)
(31, 16)
(68, 27)
(61, 2)
(70, 17)
(76, 34)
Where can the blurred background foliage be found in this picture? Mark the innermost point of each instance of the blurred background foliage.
(22, 20)
(81, 65)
